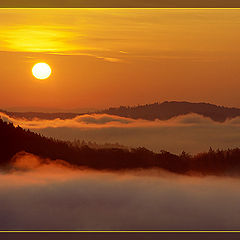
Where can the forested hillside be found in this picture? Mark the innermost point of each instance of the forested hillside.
(15, 139)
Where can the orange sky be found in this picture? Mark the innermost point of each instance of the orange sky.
(111, 57)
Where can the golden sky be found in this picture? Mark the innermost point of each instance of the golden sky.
(110, 57)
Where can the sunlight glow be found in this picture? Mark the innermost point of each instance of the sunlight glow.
(41, 71)
(37, 38)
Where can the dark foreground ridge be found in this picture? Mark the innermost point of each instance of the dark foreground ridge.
(15, 139)
(161, 111)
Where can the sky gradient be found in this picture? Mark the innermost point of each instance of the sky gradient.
(111, 57)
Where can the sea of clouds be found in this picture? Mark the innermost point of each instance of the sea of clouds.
(192, 133)
(47, 195)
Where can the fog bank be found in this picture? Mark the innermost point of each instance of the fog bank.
(191, 133)
(58, 197)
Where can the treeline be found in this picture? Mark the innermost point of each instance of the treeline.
(167, 110)
(162, 111)
(15, 139)
(91, 144)
(41, 115)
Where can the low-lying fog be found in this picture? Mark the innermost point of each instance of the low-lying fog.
(57, 196)
(191, 133)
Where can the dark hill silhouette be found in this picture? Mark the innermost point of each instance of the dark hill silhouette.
(162, 111)
(40, 115)
(15, 139)
(167, 110)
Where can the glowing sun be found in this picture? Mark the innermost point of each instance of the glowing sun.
(41, 70)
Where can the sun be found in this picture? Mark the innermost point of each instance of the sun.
(41, 70)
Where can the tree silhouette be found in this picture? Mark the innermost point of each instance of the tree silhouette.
(15, 139)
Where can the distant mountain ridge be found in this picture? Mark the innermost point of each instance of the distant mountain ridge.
(161, 111)
(41, 115)
(167, 110)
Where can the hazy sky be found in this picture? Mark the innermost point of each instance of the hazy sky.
(111, 57)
